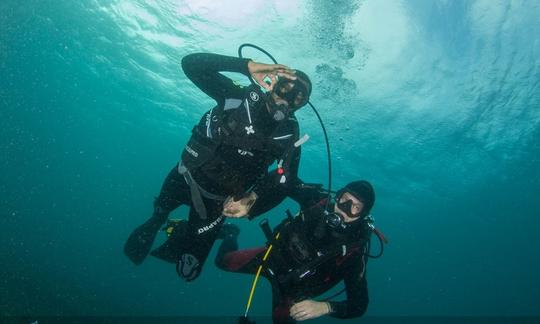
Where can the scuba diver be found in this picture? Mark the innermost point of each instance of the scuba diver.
(309, 254)
(227, 155)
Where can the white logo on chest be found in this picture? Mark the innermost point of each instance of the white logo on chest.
(244, 153)
(249, 129)
(254, 96)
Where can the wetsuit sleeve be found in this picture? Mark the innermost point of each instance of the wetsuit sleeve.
(271, 194)
(307, 195)
(203, 69)
(356, 288)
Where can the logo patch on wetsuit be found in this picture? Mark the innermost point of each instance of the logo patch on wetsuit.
(244, 153)
(249, 129)
(254, 96)
(192, 151)
(210, 226)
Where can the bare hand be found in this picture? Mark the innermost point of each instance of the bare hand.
(259, 72)
(308, 309)
(239, 208)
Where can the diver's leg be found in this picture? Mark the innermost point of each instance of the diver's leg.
(174, 192)
(229, 243)
(241, 261)
(169, 251)
(200, 237)
(229, 258)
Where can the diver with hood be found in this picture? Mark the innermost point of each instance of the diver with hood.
(308, 254)
(227, 157)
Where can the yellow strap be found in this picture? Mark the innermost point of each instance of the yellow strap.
(257, 277)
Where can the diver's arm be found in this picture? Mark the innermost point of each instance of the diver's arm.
(307, 195)
(269, 193)
(356, 288)
(203, 69)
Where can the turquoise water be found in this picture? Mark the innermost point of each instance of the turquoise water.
(436, 102)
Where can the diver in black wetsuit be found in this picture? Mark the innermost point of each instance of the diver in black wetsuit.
(227, 156)
(314, 251)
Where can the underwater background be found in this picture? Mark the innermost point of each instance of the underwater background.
(437, 103)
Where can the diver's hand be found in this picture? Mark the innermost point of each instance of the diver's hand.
(308, 309)
(239, 208)
(259, 71)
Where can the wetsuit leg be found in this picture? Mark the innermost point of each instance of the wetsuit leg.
(228, 245)
(199, 239)
(174, 192)
(229, 258)
(241, 261)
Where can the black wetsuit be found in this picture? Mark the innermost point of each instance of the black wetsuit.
(301, 242)
(228, 154)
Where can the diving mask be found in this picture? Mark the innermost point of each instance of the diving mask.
(294, 94)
